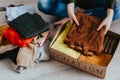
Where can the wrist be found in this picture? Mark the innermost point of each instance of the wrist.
(110, 12)
(70, 7)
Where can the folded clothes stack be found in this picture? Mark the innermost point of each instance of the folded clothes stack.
(25, 34)
(85, 37)
(29, 25)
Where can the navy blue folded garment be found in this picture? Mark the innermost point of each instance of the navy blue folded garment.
(29, 25)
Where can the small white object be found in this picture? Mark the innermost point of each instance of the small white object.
(14, 12)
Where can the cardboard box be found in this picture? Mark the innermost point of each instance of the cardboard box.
(61, 56)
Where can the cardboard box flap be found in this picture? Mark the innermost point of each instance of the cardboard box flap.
(59, 43)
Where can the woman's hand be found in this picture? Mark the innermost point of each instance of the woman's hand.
(107, 21)
(71, 14)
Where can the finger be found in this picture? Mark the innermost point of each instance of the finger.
(100, 26)
(75, 19)
(61, 22)
(106, 31)
(71, 20)
(57, 23)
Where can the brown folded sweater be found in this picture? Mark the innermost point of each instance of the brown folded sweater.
(85, 37)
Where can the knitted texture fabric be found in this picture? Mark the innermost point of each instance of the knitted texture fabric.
(29, 25)
(85, 37)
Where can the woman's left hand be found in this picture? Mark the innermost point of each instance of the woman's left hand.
(106, 23)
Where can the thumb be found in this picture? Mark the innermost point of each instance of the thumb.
(76, 21)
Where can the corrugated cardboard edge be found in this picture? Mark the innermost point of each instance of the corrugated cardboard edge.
(99, 71)
(117, 49)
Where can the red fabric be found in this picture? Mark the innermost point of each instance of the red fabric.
(15, 38)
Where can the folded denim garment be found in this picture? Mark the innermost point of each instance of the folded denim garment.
(29, 25)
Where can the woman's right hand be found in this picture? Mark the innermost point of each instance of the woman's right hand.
(71, 13)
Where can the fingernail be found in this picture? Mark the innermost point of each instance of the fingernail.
(97, 29)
